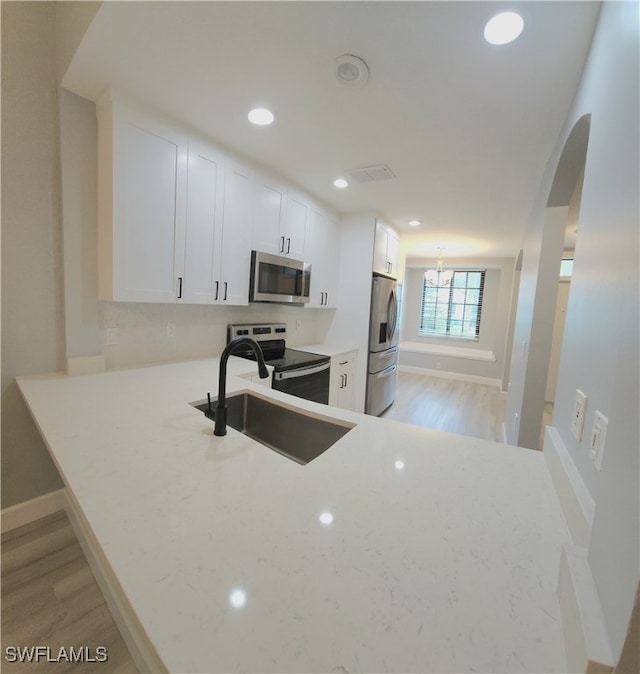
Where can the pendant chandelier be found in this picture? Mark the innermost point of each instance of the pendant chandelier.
(438, 277)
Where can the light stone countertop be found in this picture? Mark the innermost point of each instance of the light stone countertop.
(442, 555)
(325, 349)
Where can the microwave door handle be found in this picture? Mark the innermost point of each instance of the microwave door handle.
(302, 371)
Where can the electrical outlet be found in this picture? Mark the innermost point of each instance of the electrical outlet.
(111, 336)
(577, 420)
(171, 329)
(598, 438)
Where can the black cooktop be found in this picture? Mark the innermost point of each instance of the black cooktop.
(271, 338)
(283, 359)
(292, 359)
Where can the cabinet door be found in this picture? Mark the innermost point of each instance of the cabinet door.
(322, 247)
(149, 199)
(235, 250)
(380, 261)
(204, 222)
(343, 372)
(386, 251)
(269, 215)
(296, 224)
(393, 253)
(331, 262)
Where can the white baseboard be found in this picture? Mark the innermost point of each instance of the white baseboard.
(451, 375)
(29, 511)
(142, 652)
(577, 503)
(583, 626)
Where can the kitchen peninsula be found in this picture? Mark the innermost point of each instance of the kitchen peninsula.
(399, 549)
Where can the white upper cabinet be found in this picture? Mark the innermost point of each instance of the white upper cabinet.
(322, 249)
(280, 218)
(178, 217)
(142, 182)
(386, 252)
(219, 221)
(269, 215)
(235, 250)
(205, 197)
(298, 209)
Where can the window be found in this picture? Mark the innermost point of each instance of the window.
(566, 267)
(453, 310)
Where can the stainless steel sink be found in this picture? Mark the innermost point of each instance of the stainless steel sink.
(296, 434)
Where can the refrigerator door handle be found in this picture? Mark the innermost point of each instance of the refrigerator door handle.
(392, 315)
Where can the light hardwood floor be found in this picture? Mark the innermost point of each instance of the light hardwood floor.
(50, 598)
(449, 405)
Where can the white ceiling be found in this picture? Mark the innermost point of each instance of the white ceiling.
(466, 127)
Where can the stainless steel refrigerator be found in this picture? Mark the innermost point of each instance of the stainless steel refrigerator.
(383, 345)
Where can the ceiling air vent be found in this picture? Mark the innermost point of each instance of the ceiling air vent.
(369, 174)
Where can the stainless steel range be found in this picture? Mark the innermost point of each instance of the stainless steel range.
(299, 373)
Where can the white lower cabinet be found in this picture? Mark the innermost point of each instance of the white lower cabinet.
(343, 374)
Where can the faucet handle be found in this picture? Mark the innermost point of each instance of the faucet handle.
(209, 413)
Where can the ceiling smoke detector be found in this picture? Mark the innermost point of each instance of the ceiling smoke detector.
(351, 71)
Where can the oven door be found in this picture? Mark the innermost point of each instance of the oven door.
(308, 382)
(279, 279)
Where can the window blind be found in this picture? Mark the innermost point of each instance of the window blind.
(453, 310)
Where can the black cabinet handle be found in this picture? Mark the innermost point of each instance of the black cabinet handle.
(179, 287)
(226, 287)
(282, 244)
(217, 286)
(288, 246)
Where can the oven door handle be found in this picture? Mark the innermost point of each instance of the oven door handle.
(302, 371)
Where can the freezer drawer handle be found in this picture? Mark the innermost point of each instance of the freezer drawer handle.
(301, 372)
(386, 373)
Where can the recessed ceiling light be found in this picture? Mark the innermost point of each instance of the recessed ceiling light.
(415, 223)
(260, 116)
(503, 28)
(326, 518)
(340, 183)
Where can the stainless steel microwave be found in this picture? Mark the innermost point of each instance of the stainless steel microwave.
(275, 278)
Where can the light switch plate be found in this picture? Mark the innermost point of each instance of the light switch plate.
(598, 438)
(579, 409)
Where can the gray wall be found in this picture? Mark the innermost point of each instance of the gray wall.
(600, 347)
(32, 324)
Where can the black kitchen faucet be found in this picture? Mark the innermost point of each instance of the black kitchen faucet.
(220, 427)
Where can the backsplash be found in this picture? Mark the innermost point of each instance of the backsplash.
(199, 331)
